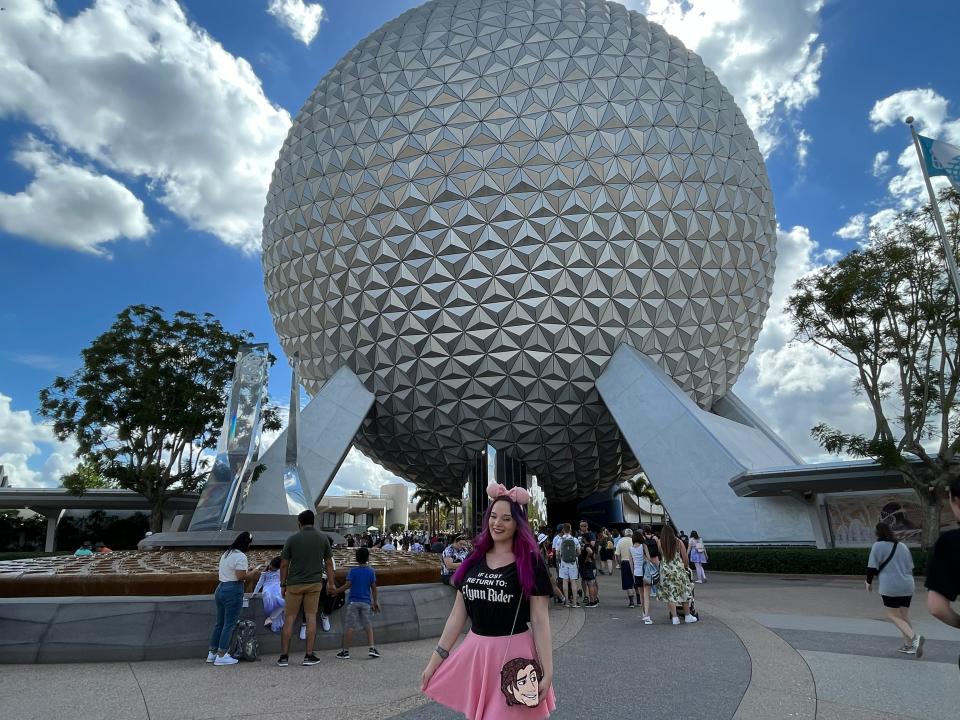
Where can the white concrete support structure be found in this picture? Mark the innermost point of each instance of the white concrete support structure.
(691, 455)
(327, 427)
(400, 512)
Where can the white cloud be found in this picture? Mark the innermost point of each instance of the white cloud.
(906, 189)
(927, 107)
(765, 53)
(70, 206)
(136, 88)
(855, 229)
(794, 386)
(359, 472)
(803, 147)
(881, 165)
(21, 439)
(302, 18)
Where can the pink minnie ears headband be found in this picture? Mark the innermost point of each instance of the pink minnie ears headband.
(495, 491)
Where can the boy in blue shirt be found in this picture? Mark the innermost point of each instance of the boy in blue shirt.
(361, 603)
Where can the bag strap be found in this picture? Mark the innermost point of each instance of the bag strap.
(889, 557)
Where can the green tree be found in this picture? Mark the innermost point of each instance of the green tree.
(640, 487)
(889, 311)
(431, 501)
(86, 477)
(147, 402)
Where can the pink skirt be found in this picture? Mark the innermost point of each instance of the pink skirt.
(469, 680)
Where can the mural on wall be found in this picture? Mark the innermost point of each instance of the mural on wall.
(853, 517)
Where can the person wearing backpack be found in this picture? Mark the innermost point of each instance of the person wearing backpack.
(569, 548)
(892, 563)
(233, 572)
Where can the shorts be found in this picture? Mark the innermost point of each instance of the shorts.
(359, 616)
(307, 595)
(896, 601)
(606, 554)
(568, 571)
(589, 575)
(626, 575)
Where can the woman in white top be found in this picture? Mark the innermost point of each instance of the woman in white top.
(229, 598)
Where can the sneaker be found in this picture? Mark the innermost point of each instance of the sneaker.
(325, 622)
(310, 659)
(917, 645)
(343, 655)
(211, 656)
(283, 661)
(576, 605)
(631, 605)
(225, 660)
(906, 648)
(373, 652)
(675, 621)
(647, 620)
(691, 619)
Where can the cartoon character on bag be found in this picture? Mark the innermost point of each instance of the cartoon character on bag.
(520, 682)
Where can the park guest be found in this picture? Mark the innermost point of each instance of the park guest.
(698, 555)
(624, 557)
(568, 552)
(452, 557)
(233, 571)
(943, 569)
(675, 588)
(268, 586)
(588, 573)
(502, 587)
(638, 561)
(892, 563)
(101, 549)
(362, 602)
(653, 559)
(85, 550)
(306, 558)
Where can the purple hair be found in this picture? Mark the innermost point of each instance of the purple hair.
(524, 547)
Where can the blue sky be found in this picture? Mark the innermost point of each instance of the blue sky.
(137, 138)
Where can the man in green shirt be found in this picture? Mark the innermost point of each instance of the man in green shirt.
(303, 560)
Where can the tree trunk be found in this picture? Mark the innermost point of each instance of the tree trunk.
(930, 508)
(156, 516)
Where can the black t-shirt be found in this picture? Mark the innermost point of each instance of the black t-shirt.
(491, 597)
(652, 548)
(943, 568)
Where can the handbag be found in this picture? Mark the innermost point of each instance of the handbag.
(515, 674)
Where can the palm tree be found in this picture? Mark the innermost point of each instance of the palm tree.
(432, 500)
(640, 487)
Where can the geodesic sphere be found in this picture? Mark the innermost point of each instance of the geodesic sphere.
(482, 200)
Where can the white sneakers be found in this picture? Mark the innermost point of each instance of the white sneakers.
(691, 619)
(675, 621)
(211, 656)
(225, 660)
(647, 620)
(325, 622)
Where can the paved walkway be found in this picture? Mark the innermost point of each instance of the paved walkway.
(768, 647)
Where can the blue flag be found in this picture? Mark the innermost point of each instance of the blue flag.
(941, 159)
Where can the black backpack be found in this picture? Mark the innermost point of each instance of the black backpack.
(244, 645)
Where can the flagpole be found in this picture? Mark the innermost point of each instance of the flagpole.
(951, 259)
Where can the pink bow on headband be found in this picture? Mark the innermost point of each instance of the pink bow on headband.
(495, 491)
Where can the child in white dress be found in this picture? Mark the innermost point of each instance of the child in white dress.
(269, 587)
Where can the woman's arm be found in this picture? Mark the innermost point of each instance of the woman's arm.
(542, 639)
(451, 631)
(683, 555)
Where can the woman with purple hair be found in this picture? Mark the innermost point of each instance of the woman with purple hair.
(503, 588)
